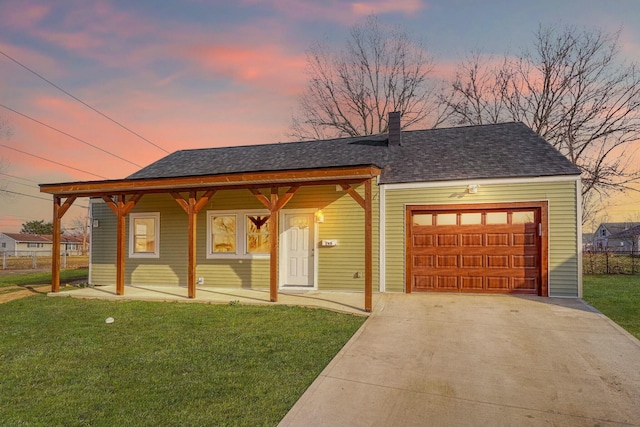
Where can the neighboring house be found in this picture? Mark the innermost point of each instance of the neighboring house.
(19, 244)
(602, 238)
(491, 208)
(627, 240)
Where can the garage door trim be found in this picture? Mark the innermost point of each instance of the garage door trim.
(540, 206)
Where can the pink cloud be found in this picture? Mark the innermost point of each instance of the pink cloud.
(267, 66)
(387, 6)
(345, 12)
(20, 15)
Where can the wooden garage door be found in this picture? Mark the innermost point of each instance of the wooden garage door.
(494, 249)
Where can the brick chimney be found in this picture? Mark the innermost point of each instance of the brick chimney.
(395, 135)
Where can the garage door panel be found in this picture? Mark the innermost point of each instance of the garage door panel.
(471, 261)
(497, 261)
(525, 261)
(423, 261)
(472, 283)
(525, 283)
(447, 282)
(423, 241)
(483, 250)
(423, 282)
(494, 239)
(474, 240)
(447, 261)
(447, 240)
(524, 239)
(498, 282)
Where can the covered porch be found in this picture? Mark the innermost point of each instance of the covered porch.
(272, 189)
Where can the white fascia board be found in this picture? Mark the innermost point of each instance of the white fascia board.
(490, 181)
(579, 234)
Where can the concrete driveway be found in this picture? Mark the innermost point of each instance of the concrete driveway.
(457, 360)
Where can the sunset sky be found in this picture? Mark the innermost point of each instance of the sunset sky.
(207, 73)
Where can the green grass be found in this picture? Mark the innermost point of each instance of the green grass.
(617, 297)
(169, 364)
(37, 278)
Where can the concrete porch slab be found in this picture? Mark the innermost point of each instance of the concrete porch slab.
(346, 302)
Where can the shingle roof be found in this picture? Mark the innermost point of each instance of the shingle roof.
(633, 231)
(42, 238)
(473, 152)
(21, 237)
(616, 228)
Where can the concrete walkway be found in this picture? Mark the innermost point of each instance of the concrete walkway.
(478, 360)
(346, 302)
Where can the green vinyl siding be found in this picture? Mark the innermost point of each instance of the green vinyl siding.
(563, 225)
(103, 245)
(339, 268)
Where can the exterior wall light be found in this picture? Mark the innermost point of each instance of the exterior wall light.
(472, 189)
(319, 216)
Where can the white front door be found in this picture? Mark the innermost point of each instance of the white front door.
(298, 250)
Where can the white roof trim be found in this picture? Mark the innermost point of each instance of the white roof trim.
(491, 181)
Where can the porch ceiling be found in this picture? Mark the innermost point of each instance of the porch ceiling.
(325, 176)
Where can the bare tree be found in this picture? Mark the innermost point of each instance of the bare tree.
(351, 92)
(80, 227)
(571, 89)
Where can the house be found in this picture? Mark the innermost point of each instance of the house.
(17, 244)
(492, 208)
(602, 238)
(20, 244)
(627, 240)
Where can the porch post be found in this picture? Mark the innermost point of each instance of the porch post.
(59, 209)
(192, 246)
(192, 207)
(120, 246)
(274, 237)
(368, 247)
(55, 250)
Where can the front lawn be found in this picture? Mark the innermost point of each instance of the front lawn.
(617, 297)
(41, 277)
(159, 363)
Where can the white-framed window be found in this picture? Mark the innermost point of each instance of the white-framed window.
(238, 234)
(144, 235)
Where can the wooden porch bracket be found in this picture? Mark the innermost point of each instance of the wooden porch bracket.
(121, 207)
(59, 209)
(274, 204)
(354, 194)
(192, 207)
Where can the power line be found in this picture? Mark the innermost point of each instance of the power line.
(17, 177)
(25, 195)
(52, 161)
(69, 135)
(82, 102)
(20, 183)
(34, 197)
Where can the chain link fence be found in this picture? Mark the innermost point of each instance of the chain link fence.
(610, 262)
(40, 260)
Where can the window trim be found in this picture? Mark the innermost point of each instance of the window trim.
(156, 217)
(241, 234)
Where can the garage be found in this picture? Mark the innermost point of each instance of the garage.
(488, 248)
